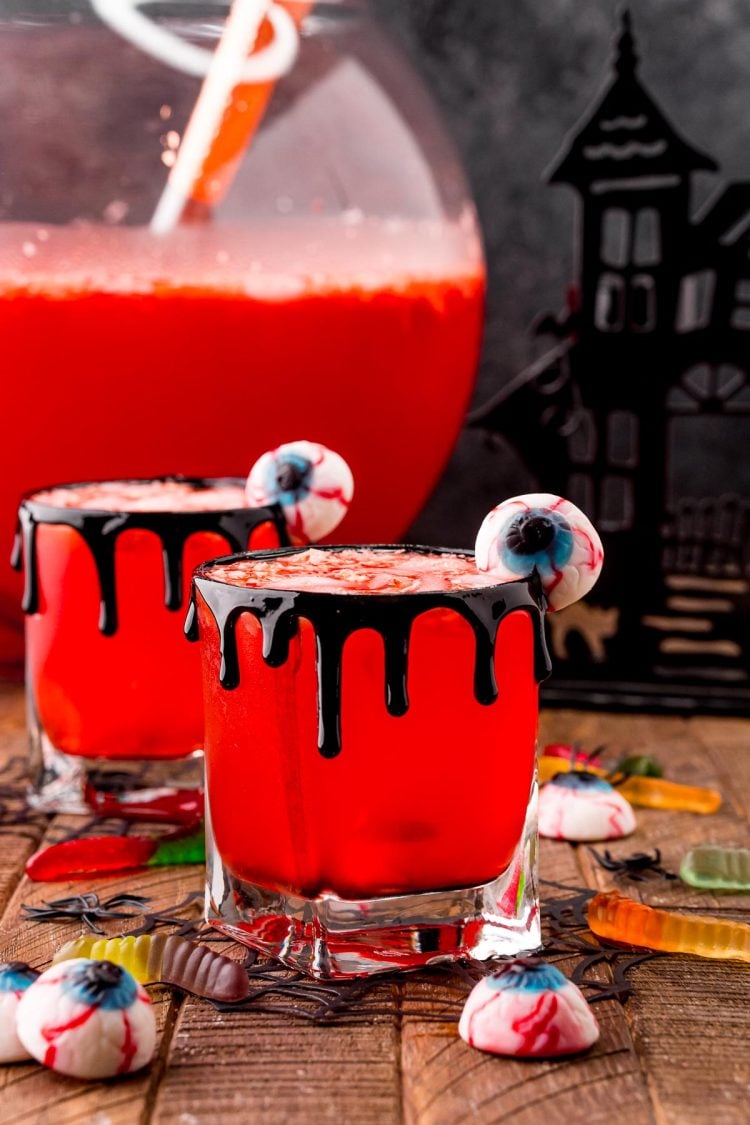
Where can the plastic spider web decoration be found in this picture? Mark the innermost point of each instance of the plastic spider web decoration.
(277, 989)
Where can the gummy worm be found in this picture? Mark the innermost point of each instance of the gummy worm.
(162, 959)
(183, 806)
(712, 868)
(656, 793)
(101, 855)
(620, 919)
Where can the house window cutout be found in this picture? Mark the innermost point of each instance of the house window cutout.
(609, 314)
(642, 303)
(711, 388)
(622, 439)
(582, 440)
(617, 507)
(616, 231)
(647, 239)
(696, 300)
(741, 311)
(581, 492)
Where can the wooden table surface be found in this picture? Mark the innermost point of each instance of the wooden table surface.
(675, 1052)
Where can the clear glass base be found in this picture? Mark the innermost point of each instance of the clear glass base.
(68, 783)
(333, 938)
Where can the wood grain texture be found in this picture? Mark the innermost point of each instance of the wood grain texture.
(37, 1096)
(676, 1053)
(16, 843)
(272, 1070)
(447, 1082)
(688, 1016)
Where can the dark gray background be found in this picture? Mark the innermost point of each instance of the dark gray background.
(512, 77)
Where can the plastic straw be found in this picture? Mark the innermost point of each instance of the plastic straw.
(224, 73)
(231, 67)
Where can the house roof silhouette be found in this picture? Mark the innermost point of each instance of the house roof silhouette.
(626, 133)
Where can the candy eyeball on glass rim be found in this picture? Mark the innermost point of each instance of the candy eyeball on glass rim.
(313, 485)
(580, 806)
(15, 978)
(528, 1009)
(87, 1019)
(546, 533)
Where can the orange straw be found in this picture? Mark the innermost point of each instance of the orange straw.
(228, 110)
(241, 119)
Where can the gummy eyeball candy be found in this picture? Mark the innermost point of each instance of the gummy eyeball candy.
(15, 978)
(530, 1010)
(88, 1019)
(581, 806)
(313, 485)
(545, 533)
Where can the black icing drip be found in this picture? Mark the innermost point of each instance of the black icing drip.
(334, 617)
(100, 531)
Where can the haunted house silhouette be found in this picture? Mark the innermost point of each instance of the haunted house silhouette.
(650, 371)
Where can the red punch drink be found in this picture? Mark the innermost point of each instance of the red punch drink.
(303, 314)
(114, 691)
(371, 720)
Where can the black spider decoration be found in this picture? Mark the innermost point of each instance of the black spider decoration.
(89, 908)
(636, 867)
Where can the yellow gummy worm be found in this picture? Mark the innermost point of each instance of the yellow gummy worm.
(167, 959)
(656, 793)
(141, 955)
(617, 918)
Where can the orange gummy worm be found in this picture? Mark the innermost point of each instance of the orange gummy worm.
(617, 918)
(656, 793)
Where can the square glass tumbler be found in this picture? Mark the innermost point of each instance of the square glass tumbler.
(113, 691)
(371, 719)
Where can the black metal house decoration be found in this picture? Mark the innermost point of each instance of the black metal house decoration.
(654, 345)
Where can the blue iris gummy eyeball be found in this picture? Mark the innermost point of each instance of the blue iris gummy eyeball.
(580, 806)
(543, 533)
(313, 485)
(88, 1019)
(15, 978)
(528, 1009)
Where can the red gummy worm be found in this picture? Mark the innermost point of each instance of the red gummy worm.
(179, 806)
(97, 855)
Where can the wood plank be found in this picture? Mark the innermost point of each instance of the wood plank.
(32, 1094)
(673, 1054)
(688, 1015)
(275, 1070)
(447, 1082)
(17, 842)
(727, 743)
